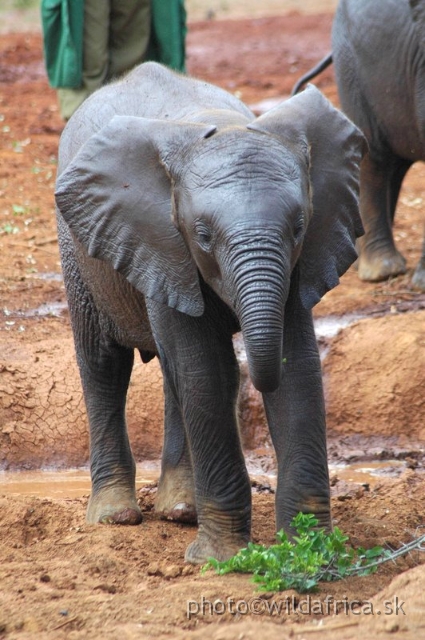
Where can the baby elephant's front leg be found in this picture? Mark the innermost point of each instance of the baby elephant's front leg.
(105, 376)
(201, 371)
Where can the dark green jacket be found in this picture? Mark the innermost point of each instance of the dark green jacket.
(168, 34)
(63, 27)
(63, 24)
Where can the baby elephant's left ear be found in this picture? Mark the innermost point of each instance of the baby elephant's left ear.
(336, 149)
(115, 197)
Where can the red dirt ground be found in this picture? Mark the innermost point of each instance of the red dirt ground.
(60, 578)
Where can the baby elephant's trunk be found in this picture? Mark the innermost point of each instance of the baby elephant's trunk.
(261, 277)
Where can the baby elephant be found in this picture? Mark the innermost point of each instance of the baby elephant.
(182, 220)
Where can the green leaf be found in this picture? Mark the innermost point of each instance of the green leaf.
(374, 552)
(18, 210)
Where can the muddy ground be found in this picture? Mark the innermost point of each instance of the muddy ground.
(62, 578)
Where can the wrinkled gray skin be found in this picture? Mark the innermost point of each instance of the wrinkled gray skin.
(379, 57)
(183, 219)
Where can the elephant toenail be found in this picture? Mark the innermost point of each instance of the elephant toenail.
(125, 517)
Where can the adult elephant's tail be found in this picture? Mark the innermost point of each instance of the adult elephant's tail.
(323, 64)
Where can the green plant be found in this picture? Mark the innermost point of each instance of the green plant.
(9, 229)
(19, 210)
(312, 556)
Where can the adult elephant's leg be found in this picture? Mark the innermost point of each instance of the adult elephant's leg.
(201, 369)
(418, 278)
(296, 418)
(379, 187)
(175, 499)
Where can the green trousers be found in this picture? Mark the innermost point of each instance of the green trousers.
(168, 34)
(115, 39)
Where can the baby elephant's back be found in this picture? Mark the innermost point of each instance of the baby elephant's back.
(153, 91)
(149, 91)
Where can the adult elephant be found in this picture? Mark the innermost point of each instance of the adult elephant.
(378, 50)
(183, 219)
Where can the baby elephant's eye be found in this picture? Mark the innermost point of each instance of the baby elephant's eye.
(203, 235)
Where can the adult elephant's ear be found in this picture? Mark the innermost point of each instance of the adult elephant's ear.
(115, 196)
(336, 148)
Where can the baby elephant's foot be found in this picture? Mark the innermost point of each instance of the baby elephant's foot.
(175, 499)
(205, 547)
(220, 535)
(180, 512)
(377, 267)
(114, 506)
(317, 505)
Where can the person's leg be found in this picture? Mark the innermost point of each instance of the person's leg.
(129, 34)
(95, 57)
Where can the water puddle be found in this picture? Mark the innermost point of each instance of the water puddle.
(367, 473)
(329, 326)
(75, 483)
(49, 276)
(71, 483)
(325, 328)
(45, 484)
(47, 309)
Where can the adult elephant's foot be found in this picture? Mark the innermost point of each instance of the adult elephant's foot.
(114, 505)
(376, 267)
(175, 499)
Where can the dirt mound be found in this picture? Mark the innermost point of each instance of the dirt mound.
(374, 378)
(42, 414)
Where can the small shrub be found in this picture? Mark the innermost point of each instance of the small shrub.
(313, 555)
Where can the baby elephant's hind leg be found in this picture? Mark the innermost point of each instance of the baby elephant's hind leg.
(175, 499)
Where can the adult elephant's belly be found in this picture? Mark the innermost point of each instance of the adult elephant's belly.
(122, 309)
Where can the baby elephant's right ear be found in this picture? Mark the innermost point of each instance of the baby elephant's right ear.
(115, 196)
